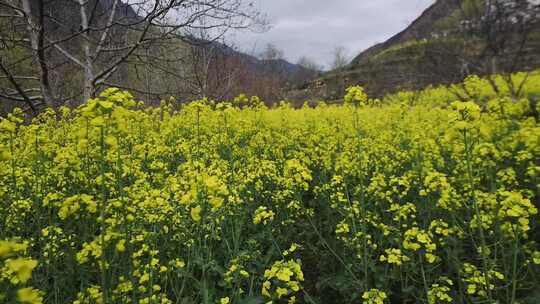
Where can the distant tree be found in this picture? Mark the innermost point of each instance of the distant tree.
(215, 71)
(309, 64)
(340, 58)
(271, 52)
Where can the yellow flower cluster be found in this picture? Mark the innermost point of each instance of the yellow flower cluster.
(356, 96)
(517, 211)
(9, 248)
(438, 292)
(71, 205)
(15, 272)
(437, 184)
(479, 282)
(283, 280)
(417, 239)
(263, 215)
(394, 256)
(19, 269)
(374, 296)
(235, 270)
(411, 198)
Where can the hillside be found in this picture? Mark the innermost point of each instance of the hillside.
(288, 74)
(421, 28)
(443, 45)
(229, 72)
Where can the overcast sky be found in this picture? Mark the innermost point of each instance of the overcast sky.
(315, 27)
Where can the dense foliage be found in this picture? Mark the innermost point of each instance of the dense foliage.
(407, 200)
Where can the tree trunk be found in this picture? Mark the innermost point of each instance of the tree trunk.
(37, 36)
(89, 87)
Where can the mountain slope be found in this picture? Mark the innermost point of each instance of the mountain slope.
(437, 48)
(287, 72)
(420, 28)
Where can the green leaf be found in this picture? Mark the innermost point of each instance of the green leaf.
(252, 300)
(531, 299)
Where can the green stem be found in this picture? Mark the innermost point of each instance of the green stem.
(514, 269)
(332, 251)
(102, 218)
(424, 280)
(485, 262)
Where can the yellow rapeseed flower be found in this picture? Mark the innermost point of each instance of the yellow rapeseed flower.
(21, 268)
(224, 300)
(196, 213)
(29, 295)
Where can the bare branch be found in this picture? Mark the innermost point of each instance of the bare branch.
(68, 55)
(107, 29)
(17, 87)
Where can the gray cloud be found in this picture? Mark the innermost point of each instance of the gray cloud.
(314, 28)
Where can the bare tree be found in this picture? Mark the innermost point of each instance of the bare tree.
(495, 36)
(18, 50)
(340, 58)
(214, 69)
(271, 52)
(100, 41)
